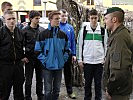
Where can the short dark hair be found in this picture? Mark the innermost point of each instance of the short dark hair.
(34, 13)
(4, 4)
(93, 12)
(51, 14)
(8, 12)
(119, 15)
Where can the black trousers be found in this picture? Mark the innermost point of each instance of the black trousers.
(68, 75)
(29, 69)
(11, 75)
(93, 71)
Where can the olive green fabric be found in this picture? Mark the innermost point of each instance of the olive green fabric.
(113, 9)
(117, 76)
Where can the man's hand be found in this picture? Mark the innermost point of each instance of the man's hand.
(81, 66)
(25, 60)
(108, 97)
(74, 58)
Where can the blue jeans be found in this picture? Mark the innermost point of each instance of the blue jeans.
(93, 71)
(52, 83)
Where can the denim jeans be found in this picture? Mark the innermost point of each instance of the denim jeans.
(52, 83)
(93, 71)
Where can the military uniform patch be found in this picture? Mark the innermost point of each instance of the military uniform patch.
(116, 57)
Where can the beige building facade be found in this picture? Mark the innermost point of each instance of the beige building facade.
(22, 7)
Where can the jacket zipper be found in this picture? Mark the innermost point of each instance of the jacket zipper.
(14, 49)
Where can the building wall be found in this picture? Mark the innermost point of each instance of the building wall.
(108, 3)
(26, 5)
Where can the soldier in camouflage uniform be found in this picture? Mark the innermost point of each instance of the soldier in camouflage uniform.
(117, 76)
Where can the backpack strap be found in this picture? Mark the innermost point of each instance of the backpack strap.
(84, 35)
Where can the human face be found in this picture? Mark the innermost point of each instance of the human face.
(93, 20)
(64, 17)
(55, 20)
(10, 20)
(7, 8)
(108, 21)
(35, 20)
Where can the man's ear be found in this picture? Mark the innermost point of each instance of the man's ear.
(30, 19)
(88, 18)
(114, 19)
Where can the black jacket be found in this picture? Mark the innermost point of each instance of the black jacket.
(11, 45)
(1, 21)
(30, 35)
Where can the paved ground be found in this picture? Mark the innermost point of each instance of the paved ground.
(63, 96)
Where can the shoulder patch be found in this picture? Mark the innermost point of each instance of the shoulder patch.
(116, 57)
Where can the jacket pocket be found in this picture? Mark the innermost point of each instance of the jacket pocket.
(117, 82)
(115, 60)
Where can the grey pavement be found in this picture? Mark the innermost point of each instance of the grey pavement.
(63, 95)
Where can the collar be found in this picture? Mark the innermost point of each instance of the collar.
(117, 30)
(32, 27)
(63, 23)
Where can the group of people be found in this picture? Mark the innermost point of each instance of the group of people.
(20, 47)
(103, 55)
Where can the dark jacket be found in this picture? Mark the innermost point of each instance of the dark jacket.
(11, 45)
(117, 70)
(30, 35)
(52, 44)
(1, 21)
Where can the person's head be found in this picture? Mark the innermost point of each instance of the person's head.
(63, 16)
(34, 17)
(10, 19)
(93, 17)
(54, 18)
(113, 18)
(6, 6)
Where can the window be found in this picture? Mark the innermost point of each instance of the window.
(122, 2)
(90, 2)
(37, 2)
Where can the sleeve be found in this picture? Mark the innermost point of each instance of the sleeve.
(1, 22)
(66, 49)
(79, 45)
(105, 41)
(39, 50)
(23, 31)
(73, 44)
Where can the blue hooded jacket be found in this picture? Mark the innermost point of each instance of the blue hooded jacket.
(53, 48)
(68, 29)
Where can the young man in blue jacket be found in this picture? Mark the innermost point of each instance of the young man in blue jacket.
(68, 29)
(53, 49)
